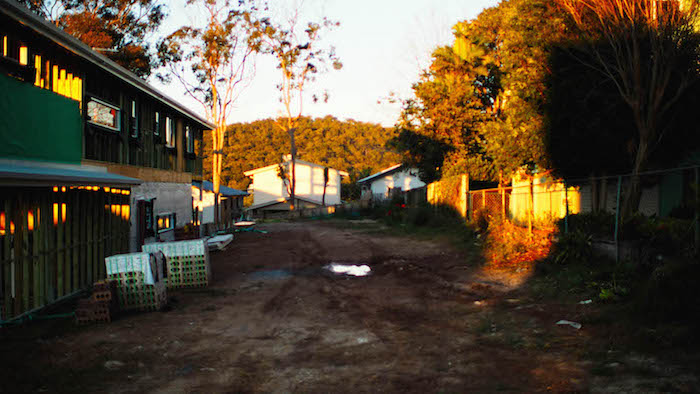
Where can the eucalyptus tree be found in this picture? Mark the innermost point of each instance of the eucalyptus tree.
(300, 55)
(213, 63)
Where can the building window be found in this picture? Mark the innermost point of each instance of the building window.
(166, 222)
(156, 125)
(169, 132)
(133, 120)
(23, 55)
(4, 46)
(103, 114)
(189, 139)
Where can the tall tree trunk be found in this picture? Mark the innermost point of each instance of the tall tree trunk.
(217, 160)
(325, 183)
(630, 204)
(293, 175)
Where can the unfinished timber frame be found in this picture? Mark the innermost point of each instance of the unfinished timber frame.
(53, 241)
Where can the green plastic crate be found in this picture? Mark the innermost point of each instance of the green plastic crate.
(138, 284)
(187, 262)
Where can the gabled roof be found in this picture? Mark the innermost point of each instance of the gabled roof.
(223, 190)
(386, 171)
(20, 13)
(274, 167)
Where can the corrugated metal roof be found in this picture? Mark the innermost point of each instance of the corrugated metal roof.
(223, 190)
(21, 14)
(22, 173)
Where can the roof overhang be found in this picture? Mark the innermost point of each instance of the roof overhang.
(20, 13)
(275, 166)
(225, 191)
(282, 200)
(22, 173)
(383, 172)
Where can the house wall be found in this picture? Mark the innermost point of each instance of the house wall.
(267, 186)
(230, 207)
(206, 205)
(406, 179)
(549, 199)
(135, 137)
(169, 198)
(648, 204)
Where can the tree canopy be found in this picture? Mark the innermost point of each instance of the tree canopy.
(641, 59)
(213, 64)
(300, 55)
(117, 29)
(353, 146)
(483, 96)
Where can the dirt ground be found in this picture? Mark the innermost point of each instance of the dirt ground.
(427, 319)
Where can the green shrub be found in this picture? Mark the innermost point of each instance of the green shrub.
(599, 224)
(420, 216)
(573, 247)
(670, 293)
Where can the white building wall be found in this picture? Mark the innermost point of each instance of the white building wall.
(169, 198)
(206, 206)
(406, 180)
(267, 186)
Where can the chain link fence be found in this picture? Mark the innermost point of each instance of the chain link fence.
(666, 205)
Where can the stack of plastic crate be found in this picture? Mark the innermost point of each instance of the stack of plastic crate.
(137, 278)
(187, 262)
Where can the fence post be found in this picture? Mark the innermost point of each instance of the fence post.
(617, 220)
(463, 192)
(566, 213)
(470, 207)
(531, 205)
(503, 201)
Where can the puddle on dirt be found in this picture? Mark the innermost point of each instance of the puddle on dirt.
(332, 268)
(353, 270)
(270, 274)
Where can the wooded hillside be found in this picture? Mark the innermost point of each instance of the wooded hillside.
(356, 147)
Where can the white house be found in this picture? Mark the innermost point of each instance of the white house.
(230, 203)
(270, 192)
(396, 177)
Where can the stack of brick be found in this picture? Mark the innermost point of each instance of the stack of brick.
(101, 305)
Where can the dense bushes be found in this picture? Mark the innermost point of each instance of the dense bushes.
(660, 282)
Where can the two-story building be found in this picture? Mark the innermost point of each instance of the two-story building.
(93, 161)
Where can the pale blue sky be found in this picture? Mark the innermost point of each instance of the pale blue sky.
(383, 44)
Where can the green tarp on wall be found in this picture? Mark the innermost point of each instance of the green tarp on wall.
(37, 124)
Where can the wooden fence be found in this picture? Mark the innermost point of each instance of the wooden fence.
(53, 241)
(450, 192)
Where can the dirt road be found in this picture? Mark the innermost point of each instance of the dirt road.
(425, 320)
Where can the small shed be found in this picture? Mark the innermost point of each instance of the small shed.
(379, 186)
(230, 203)
(313, 188)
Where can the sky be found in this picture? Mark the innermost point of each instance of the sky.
(383, 45)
